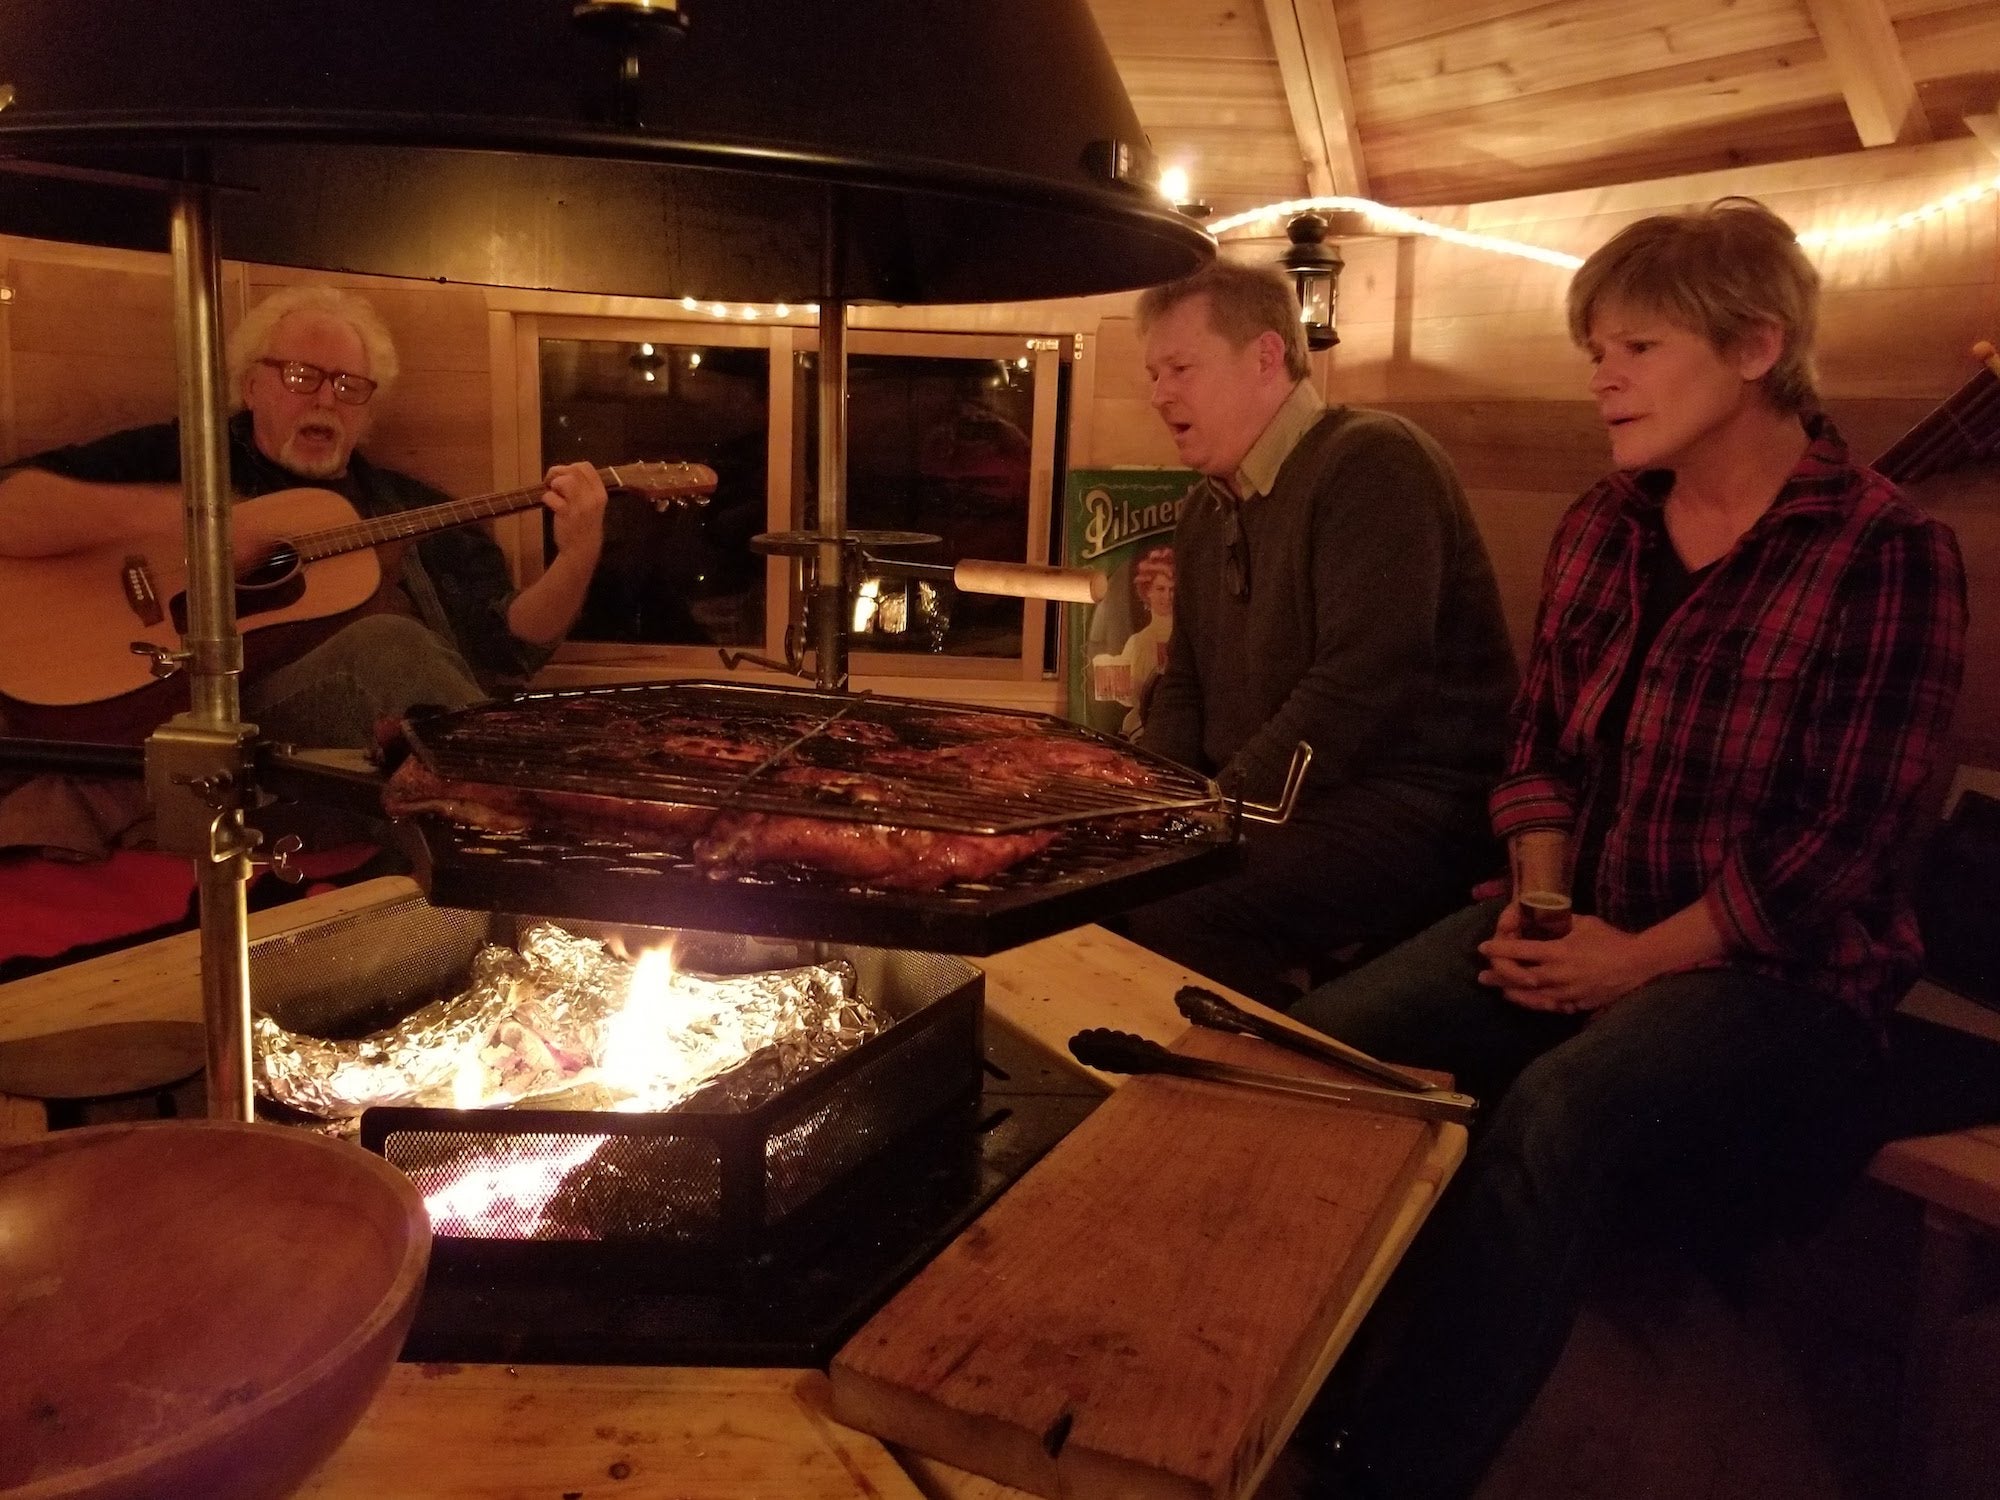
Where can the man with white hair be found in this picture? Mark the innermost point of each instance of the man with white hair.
(306, 367)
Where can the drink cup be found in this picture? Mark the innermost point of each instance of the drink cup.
(1545, 915)
(1111, 679)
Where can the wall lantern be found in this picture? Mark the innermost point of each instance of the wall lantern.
(1313, 267)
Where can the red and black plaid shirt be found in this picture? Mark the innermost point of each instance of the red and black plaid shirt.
(1782, 725)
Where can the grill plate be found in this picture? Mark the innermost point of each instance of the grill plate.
(1118, 845)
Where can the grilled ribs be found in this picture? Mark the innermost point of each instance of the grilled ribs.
(850, 763)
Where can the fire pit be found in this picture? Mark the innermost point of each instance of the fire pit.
(732, 1229)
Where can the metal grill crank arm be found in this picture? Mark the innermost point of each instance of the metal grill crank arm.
(1122, 1052)
(1280, 812)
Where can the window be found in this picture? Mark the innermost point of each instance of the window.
(938, 446)
(950, 434)
(684, 576)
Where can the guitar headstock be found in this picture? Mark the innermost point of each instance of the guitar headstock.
(663, 484)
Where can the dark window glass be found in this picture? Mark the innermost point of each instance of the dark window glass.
(939, 446)
(685, 576)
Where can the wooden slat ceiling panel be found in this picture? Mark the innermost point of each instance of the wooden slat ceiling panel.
(1904, 10)
(1465, 100)
(1204, 79)
(1760, 106)
(1187, 29)
(1960, 44)
(1177, 95)
(1593, 43)
(1378, 25)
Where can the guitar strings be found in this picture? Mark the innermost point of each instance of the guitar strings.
(374, 530)
(1965, 424)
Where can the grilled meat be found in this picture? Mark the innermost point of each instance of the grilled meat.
(942, 760)
(891, 859)
(494, 808)
(415, 788)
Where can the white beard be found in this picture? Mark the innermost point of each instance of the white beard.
(330, 467)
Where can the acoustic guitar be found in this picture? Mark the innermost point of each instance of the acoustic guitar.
(1964, 428)
(81, 631)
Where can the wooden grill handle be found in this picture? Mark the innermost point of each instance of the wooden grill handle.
(1030, 581)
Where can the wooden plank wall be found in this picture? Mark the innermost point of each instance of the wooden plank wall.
(1473, 346)
(86, 348)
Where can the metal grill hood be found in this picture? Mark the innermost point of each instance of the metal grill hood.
(967, 148)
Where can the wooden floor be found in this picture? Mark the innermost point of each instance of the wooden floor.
(1788, 1388)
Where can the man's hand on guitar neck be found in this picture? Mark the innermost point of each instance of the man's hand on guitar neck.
(543, 612)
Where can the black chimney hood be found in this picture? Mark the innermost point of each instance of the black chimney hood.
(968, 150)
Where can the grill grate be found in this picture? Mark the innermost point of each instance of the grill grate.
(634, 742)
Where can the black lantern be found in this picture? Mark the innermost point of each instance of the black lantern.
(1313, 266)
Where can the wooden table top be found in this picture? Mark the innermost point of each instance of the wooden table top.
(489, 1432)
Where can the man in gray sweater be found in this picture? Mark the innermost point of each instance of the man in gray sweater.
(1331, 589)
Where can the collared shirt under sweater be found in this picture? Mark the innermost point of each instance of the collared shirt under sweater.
(1371, 626)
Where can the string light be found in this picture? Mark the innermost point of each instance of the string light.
(1881, 229)
(1401, 221)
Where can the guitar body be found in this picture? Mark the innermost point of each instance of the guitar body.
(67, 667)
(68, 624)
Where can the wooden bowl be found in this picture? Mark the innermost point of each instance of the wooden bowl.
(194, 1308)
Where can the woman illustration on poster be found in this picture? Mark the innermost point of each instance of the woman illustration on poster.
(1127, 675)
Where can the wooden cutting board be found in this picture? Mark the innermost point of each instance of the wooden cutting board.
(1142, 1314)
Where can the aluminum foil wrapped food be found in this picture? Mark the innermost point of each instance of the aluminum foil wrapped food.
(568, 1023)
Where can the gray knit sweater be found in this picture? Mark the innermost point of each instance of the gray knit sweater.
(1371, 630)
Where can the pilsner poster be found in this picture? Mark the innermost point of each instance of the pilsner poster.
(1121, 522)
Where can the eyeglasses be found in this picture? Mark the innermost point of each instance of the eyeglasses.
(303, 379)
(1236, 562)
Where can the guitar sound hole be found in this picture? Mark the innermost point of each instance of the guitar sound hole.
(278, 565)
(272, 584)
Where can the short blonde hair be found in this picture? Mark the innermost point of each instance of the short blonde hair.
(1243, 302)
(252, 339)
(1718, 271)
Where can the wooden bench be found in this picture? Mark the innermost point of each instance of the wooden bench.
(1956, 1177)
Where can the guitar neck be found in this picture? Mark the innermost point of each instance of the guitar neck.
(405, 525)
(1965, 426)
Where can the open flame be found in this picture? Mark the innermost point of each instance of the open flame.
(674, 1032)
(670, 1033)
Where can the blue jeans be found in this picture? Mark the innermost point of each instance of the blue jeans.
(378, 667)
(1702, 1106)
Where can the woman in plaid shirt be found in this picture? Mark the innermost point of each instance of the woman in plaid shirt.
(1745, 659)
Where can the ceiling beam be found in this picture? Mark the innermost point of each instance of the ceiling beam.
(1987, 128)
(1314, 68)
(1862, 48)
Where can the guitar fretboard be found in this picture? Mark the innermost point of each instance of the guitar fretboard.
(402, 525)
(1965, 426)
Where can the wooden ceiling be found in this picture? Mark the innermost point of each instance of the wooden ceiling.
(1462, 101)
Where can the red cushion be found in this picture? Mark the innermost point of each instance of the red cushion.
(48, 906)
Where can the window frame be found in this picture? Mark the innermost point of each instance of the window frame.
(520, 536)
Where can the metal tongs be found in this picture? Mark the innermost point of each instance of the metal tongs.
(1206, 1008)
(1122, 1052)
(1406, 1093)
